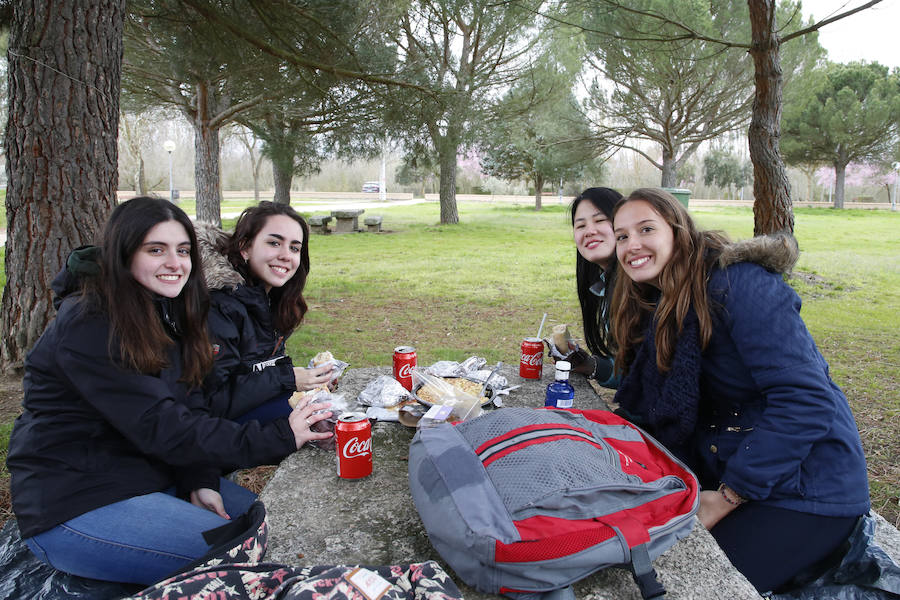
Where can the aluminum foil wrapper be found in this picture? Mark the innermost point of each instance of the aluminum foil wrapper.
(339, 405)
(383, 391)
(449, 368)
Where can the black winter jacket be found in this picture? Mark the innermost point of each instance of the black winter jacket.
(251, 366)
(94, 432)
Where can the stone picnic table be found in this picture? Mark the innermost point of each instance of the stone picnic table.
(316, 518)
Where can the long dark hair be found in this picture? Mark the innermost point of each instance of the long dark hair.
(136, 325)
(682, 284)
(289, 307)
(595, 310)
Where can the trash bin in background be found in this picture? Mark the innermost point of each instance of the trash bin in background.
(680, 194)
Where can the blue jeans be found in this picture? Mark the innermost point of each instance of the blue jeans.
(139, 540)
(268, 411)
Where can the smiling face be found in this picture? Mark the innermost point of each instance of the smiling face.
(644, 241)
(274, 254)
(593, 234)
(162, 263)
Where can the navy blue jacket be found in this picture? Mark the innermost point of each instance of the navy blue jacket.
(94, 432)
(772, 423)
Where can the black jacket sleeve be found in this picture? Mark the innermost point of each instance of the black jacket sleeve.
(147, 412)
(241, 378)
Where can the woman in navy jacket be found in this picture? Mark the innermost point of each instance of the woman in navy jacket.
(114, 462)
(256, 278)
(721, 368)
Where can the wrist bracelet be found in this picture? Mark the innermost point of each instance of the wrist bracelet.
(594, 371)
(725, 490)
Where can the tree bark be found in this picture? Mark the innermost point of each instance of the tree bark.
(538, 188)
(840, 172)
(283, 177)
(669, 169)
(447, 191)
(207, 185)
(141, 187)
(206, 173)
(772, 210)
(65, 62)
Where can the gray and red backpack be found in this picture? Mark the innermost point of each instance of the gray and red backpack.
(525, 502)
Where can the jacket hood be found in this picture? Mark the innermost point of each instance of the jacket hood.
(82, 263)
(777, 252)
(219, 272)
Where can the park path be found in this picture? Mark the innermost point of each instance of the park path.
(312, 207)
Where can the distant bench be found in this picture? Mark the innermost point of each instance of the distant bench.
(346, 221)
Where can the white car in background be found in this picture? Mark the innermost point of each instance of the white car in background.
(372, 186)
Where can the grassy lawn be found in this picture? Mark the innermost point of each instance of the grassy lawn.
(479, 287)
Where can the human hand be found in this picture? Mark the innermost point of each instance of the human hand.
(302, 420)
(582, 362)
(312, 377)
(713, 508)
(209, 499)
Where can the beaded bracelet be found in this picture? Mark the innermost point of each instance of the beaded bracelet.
(724, 489)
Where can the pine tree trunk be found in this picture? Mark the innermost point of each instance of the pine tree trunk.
(207, 184)
(206, 173)
(669, 169)
(65, 62)
(771, 189)
(840, 172)
(283, 177)
(538, 188)
(447, 191)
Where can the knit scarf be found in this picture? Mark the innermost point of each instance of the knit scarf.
(665, 404)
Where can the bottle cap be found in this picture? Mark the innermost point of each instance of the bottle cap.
(564, 365)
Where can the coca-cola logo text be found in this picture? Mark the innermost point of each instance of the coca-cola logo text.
(533, 360)
(355, 449)
(403, 373)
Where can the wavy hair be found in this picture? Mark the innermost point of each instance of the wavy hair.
(288, 303)
(595, 310)
(137, 327)
(682, 284)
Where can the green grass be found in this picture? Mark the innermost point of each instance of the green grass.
(479, 287)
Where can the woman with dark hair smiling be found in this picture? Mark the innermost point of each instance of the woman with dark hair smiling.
(256, 278)
(115, 460)
(595, 275)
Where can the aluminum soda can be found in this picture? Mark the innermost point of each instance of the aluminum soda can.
(404, 360)
(532, 360)
(354, 446)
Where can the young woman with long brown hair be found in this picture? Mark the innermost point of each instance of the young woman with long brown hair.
(115, 460)
(256, 277)
(720, 367)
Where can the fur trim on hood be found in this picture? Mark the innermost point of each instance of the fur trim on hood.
(777, 252)
(218, 270)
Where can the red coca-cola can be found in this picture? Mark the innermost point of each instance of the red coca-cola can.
(354, 446)
(532, 360)
(404, 360)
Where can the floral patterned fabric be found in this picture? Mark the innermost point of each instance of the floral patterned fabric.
(270, 581)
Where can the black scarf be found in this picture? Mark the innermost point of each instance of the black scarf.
(665, 404)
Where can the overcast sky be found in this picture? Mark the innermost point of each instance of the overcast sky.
(871, 35)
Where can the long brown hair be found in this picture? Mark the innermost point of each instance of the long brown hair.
(136, 326)
(288, 303)
(682, 284)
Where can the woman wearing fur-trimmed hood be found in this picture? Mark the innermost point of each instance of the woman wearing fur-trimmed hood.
(720, 367)
(256, 278)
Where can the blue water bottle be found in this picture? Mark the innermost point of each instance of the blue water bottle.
(560, 393)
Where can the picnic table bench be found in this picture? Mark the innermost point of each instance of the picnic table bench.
(347, 221)
(319, 223)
